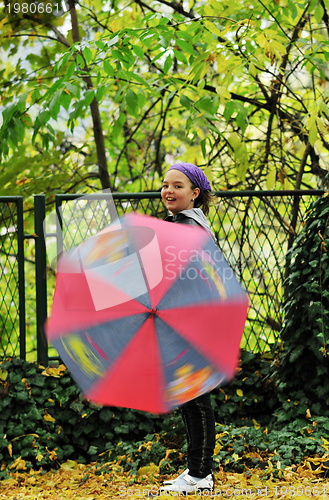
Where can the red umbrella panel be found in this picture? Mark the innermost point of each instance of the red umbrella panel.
(147, 314)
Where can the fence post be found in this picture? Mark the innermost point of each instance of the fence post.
(40, 277)
(21, 278)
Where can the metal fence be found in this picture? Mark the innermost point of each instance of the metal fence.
(252, 229)
(12, 282)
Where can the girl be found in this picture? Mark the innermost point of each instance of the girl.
(185, 189)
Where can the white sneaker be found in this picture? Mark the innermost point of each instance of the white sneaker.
(171, 481)
(189, 484)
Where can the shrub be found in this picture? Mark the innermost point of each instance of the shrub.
(303, 369)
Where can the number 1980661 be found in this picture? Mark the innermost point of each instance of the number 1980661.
(35, 8)
(299, 491)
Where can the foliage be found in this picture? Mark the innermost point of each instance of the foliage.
(238, 87)
(302, 365)
(243, 447)
(251, 394)
(74, 481)
(45, 424)
(42, 414)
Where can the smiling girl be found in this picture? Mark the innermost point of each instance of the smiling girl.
(186, 189)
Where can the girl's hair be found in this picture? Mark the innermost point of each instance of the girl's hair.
(203, 200)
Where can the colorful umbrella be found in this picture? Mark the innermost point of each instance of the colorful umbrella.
(147, 314)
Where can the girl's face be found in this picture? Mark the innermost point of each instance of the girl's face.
(177, 193)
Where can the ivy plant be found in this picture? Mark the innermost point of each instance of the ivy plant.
(303, 369)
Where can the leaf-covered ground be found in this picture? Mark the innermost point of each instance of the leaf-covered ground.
(109, 481)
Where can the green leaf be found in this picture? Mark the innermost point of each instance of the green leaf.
(71, 70)
(101, 91)
(318, 14)
(186, 47)
(87, 54)
(112, 41)
(167, 65)
(80, 61)
(131, 99)
(163, 42)
(73, 88)
(138, 51)
(118, 125)
(89, 97)
(100, 45)
(54, 100)
(206, 104)
(180, 56)
(185, 101)
(108, 68)
(203, 147)
(65, 100)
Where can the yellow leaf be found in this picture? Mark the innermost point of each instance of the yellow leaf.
(10, 449)
(256, 424)
(39, 456)
(278, 46)
(234, 141)
(69, 465)
(252, 69)
(208, 173)
(239, 393)
(223, 94)
(313, 134)
(148, 469)
(270, 179)
(236, 457)
(22, 180)
(261, 39)
(322, 126)
(54, 371)
(212, 28)
(48, 418)
(18, 464)
(52, 454)
(312, 118)
(3, 374)
(308, 413)
(165, 458)
(254, 480)
(217, 449)
(282, 175)
(114, 26)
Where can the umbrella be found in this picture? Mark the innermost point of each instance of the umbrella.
(147, 314)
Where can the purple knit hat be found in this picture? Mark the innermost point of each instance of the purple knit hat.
(195, 175)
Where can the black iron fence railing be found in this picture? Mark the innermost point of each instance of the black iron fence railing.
(254, 230)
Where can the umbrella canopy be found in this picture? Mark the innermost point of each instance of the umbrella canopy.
(147, 314)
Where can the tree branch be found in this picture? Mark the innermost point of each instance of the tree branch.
(95, 113)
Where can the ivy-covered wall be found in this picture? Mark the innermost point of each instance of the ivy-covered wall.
(302, 373)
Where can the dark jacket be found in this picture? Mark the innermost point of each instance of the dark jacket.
(182, 219)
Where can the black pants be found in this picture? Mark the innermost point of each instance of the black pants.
(199, 420)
